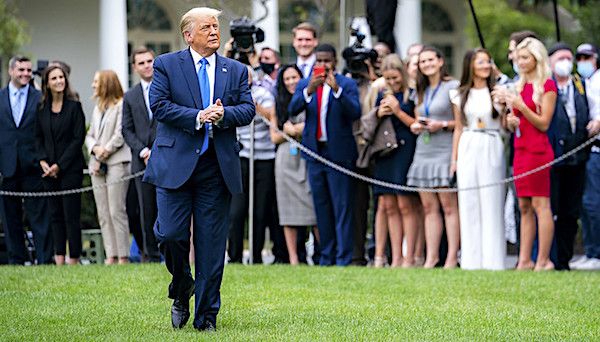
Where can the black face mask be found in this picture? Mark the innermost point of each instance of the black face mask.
(267, 68)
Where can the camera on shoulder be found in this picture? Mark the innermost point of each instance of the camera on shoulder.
(356, 55)
(245, 34)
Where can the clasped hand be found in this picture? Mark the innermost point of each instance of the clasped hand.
(49, 171)
(101, 153)
(213, 113)
(388, 106)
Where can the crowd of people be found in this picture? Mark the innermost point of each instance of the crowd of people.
(404, 121)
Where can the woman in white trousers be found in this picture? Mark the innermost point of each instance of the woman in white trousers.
(478, 159)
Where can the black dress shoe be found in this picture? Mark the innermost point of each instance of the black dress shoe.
(180, 310)
(207, 326)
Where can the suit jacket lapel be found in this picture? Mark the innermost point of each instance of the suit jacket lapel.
(140, 101)
(5, 101)
(220, 78)
(189, 73)
(28, 103)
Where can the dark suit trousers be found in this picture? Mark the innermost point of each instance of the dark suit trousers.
(146, 194)
(567, 184)
(264, 200)
(65, 213)
(205, 195)
(363, 199)
(333, 195)
(36, 211)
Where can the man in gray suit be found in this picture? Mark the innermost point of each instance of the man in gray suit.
(139, 131)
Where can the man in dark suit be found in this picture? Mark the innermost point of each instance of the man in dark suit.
(568, 129)
(198, 99)
(139, 130)
(20, 168)
(331, 104)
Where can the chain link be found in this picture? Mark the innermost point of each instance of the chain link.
(374, 181)
(70, 191)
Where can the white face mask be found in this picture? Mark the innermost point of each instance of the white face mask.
(563, 68)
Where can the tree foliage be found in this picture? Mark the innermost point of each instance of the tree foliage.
(588, 16)
(497, 21)
(13, 30)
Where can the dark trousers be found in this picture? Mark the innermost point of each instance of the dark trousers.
(146, 199)
(133, 218)
(65, 213)
(205, 198)
(333, 196)
(264, 200)
(591, 208)
(360, 220)
(36, 211)
(280, 251)
(567, 183)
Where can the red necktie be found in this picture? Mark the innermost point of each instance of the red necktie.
(319, 101)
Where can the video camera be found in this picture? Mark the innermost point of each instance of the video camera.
(245, 34)
(356, 54)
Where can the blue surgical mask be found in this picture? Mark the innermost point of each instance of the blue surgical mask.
(515, 68)
(585, 69)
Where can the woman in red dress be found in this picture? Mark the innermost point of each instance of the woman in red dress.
(533, 111)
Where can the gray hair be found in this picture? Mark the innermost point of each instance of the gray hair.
(188, 20)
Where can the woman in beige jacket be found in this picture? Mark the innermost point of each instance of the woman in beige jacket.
(109, 162)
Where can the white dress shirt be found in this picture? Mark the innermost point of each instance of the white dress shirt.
(146, 92)
(567, 96)
(592, 88)
(324, 104)
(210, 70)
(306, 64)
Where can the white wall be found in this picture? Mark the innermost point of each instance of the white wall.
(66, 30)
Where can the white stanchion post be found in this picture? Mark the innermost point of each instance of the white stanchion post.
(251, 196)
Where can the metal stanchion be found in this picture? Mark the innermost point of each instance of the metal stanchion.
(251, 196)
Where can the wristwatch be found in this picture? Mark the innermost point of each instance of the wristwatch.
(445, 125)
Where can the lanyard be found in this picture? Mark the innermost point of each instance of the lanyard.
(429, 100)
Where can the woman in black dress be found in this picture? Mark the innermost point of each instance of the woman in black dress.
(396, 205)
(60, 132)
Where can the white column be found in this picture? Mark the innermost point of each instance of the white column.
(407, 28)
(270, 24)
(113, 38)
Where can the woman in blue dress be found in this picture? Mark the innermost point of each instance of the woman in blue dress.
(393, 167)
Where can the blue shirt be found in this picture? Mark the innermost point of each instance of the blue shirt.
(13, 94)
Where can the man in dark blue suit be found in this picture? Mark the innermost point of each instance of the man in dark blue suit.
(198, 99)
(20, 166)
(331, 104)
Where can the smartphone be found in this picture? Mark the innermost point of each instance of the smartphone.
(319, 71)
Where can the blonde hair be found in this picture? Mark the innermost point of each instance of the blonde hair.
(542, 68)
(394, 62)
(188, 20)
(108, 90)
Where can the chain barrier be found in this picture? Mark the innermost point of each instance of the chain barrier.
(71, 191)
(330, 164)
(374, 181)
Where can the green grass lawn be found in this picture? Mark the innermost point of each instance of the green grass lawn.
(303, 303)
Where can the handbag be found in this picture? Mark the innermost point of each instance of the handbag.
(374, 137)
